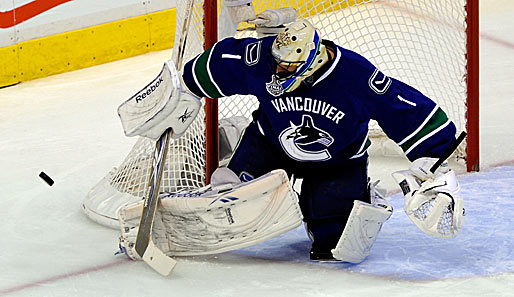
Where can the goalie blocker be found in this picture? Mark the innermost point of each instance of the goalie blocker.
(161, 104)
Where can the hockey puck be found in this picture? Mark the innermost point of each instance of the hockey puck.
(46, 178)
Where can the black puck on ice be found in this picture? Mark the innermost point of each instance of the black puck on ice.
(46, 178)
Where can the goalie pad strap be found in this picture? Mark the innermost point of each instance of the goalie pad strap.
(361, 230)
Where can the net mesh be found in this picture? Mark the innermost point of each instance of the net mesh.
(421, 42)
(445, 225)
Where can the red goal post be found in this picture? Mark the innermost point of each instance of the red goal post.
(473, 85)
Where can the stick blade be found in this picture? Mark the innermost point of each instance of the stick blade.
(156, 259)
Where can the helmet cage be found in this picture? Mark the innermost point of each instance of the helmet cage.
(285, 73)
(287, 77)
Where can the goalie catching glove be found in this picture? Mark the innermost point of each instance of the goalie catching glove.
(161, 104)
(223, 216)
(431, 200)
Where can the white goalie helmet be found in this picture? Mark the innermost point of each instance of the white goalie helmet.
(297, 52)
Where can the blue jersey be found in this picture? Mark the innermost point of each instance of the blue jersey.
(325, 119)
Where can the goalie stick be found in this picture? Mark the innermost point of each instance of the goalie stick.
(144, 246)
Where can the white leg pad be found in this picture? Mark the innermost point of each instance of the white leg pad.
(361, 230)
(188, 224)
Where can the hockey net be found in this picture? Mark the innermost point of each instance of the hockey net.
(421, 42)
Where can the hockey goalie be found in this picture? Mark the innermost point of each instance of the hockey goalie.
(316, 100)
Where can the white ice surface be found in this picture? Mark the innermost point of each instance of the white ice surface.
(66, 125)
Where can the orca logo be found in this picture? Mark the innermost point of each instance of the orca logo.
(253, 53)
(303, 142)
(379, 83)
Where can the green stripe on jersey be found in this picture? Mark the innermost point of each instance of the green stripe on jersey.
(201, 72)
(437, 120)
(368, 144)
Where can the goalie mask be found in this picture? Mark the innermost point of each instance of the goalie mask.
(297, 53)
